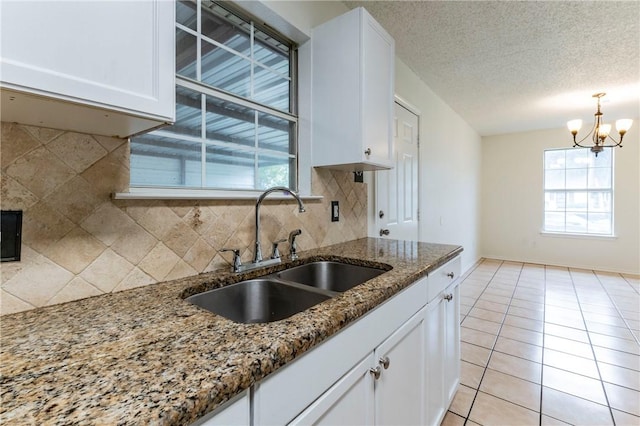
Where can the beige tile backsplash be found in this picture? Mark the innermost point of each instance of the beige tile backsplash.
(78, 242)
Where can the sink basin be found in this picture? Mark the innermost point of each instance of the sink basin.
(257, 301)
(328, 275)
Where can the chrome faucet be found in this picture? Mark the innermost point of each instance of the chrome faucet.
(257, 254)
(293, 247)
(238, 266)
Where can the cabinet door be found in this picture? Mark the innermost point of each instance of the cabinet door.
(400, 389)
(348, 402)
(436, 406)
(377, 95)
(452, 341)
(103, 55)
(353, 102)
(234, 413)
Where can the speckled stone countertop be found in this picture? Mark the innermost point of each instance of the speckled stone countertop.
(145, 356)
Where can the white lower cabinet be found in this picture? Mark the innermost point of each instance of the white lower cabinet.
(348, 402)
(236, 412)
(399, 364)
(386, 388)
(400, 389)
(451, 342)
(341, 366)
(443, 349)
(435, 402)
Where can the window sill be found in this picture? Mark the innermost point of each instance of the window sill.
(199, 194)
(578, 236)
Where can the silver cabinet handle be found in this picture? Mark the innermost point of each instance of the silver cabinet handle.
(384, 232)
(451, 275)
(385, 361)
(376, 372)
(448, 297)
(368, 151)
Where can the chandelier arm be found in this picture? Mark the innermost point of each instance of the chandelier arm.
(583, 139)
(616, 143)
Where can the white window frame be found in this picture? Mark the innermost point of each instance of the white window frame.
(611, 190)
(302, 176)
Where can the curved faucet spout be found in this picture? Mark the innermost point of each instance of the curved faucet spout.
(257, 254)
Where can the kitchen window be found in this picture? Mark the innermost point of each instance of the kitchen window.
(578, 191)
(236, 123)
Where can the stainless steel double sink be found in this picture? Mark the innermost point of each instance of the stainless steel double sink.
(279, 295)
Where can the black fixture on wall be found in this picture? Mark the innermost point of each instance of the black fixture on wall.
(11, 235)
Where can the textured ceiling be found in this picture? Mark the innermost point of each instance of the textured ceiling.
(513, 66)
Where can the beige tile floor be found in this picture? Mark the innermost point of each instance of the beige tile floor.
(547, 345)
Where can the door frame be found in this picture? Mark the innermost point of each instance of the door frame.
(370, 177)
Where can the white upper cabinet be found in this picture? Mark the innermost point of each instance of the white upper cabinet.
(101, 67)
(352, 93)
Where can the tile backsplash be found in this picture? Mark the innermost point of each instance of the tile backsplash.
(78, 242)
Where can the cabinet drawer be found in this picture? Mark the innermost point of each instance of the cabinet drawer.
(439, 279)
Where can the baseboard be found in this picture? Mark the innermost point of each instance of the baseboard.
(551, 263)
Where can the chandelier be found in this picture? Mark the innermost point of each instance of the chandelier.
(600, 131)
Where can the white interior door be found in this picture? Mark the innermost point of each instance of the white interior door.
(396, 209)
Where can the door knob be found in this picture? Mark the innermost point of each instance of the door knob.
(380, 214)
(375, 372)
(448, 297)
(384, 232)
(368, 151)
(384, 361)
(450, 275)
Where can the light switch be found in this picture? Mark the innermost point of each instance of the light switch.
(335, 211)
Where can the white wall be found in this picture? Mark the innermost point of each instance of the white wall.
(513, 202)
(503, 220)
(450, 154)
(304, 15)
(449, 149)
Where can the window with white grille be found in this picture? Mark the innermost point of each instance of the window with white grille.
(578, 191)
(236, 123)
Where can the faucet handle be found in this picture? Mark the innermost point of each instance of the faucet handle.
(275, 253)
(293, 247)
(236, 258)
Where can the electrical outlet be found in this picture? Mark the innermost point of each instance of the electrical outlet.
(335, 211)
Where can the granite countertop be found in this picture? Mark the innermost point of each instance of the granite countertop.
(145, 356)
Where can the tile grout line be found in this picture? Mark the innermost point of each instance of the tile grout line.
(637, 339)
(544, 317)
(595, 360)
(466, 419)
(486, 367)
(635, 290)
